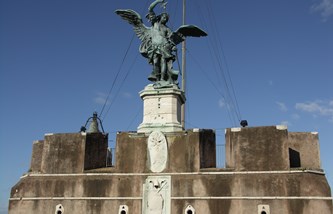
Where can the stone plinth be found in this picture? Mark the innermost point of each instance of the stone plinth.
(161, 109)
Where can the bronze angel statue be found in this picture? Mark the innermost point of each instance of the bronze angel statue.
(158, 42)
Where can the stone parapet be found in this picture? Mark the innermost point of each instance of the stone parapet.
(271, 148)
(37, 156)
(304, 150)
(175, 172)
(257, 148)
(188, 151)
(69, 153)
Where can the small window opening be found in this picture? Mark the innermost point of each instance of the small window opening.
(123, 209)
(294, 158)
(263, 212)
(59, 209)
(189, 210)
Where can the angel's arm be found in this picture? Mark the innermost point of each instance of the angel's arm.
(151, 16)
(153, 5)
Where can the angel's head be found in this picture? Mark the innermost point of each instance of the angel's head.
(151, 17)
(164, 18)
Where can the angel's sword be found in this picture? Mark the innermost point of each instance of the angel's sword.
(183, 69)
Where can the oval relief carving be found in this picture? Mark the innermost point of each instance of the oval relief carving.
(158, 151)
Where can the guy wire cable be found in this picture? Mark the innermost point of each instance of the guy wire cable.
(120, 67)
(116, 78)
(217, 48)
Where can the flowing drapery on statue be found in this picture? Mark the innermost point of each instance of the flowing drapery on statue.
(159, 42)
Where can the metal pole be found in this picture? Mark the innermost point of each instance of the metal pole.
(183, 70)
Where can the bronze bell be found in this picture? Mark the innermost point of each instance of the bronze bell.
(93, 128)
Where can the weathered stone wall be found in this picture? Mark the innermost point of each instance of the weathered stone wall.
(207, 148)
(69, 153)
(37, 155)
(247, 206)
(271, 148)
(257, 148)
(307, 146)
(63, 153)
(134, 159)
(95, 150)
(219, 192)
(201, 206)
(188, 151)
(258, 173)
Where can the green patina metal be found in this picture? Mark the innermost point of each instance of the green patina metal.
(159, 42)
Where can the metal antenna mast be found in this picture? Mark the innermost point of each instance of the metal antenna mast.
(183, 69)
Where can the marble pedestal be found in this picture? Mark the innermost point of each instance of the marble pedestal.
(161, 109)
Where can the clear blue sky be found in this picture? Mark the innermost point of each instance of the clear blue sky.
(58, 60)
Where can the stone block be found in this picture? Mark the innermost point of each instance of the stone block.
(63, 153)
(73, 152)
(95, 151)
(257, 148)
(305, 146)
(36, 157)
(131, 152)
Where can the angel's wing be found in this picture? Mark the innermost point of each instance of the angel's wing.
(135, 20)
(184, 31)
